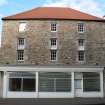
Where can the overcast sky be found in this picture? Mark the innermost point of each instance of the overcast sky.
(9, 7)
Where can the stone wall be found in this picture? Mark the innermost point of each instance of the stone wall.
(38, 34)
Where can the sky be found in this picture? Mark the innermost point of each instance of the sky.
(10, 7)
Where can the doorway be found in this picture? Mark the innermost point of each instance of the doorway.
(78, 84)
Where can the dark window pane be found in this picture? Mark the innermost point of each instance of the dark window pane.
(21, 74)
(20, 41)
(53, 54)
(55, 75)
(80, 27)
(81, 42)
(28, 84)
(81, 55)
(15, 84)
(53, 41)
(53, 26)
(20, 54)
(63, 85)
(91, 82)
(46, 85)
(55, 82)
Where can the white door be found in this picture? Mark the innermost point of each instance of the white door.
(78, 84)
(78, 87)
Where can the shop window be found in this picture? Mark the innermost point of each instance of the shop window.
(55, 82)
(22, 82)
(91, 82)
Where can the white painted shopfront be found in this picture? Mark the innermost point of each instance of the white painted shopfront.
(52, 82)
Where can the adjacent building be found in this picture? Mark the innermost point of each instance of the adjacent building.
(52, 52)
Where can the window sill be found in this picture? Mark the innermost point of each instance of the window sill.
(81, 32)
(54, 31)
(20, 61)
(53, 61)
(22, 31)
(80, 62)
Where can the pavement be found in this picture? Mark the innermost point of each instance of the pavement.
(53, 101)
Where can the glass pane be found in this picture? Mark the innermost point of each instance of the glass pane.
(20, 41)
(63, 85)
(46, 84)
(20, 54)
(80, 27)
(29, 84)
(77, 84)
(81, 55)
(91, 82)
(54, 81)
(15, 84)
(55, 75)
(22, 74)
(53, 54)
(81, 42)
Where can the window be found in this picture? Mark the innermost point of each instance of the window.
(91, 82)
(55, 82)
(80, 27)
(22, 27)
(28, 84)
(53, 55)
(20, 55)
(53, 41)
(22, 82)
(81, 42)
(81, 55)
(14, 84)
(53, 27)
(21, 41)
(53, 49)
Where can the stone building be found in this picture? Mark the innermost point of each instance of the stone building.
(52, 52)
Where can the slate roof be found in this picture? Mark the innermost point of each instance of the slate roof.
(53, 13)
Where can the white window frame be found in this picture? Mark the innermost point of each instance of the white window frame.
(22, 25)
(80, 29)
(53, 27)
(53, 55)
(81, 46)
(53, 43)
(21, 43)
(81, 61)
(21, 58)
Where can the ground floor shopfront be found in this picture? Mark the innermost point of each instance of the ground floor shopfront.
(51, 82)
